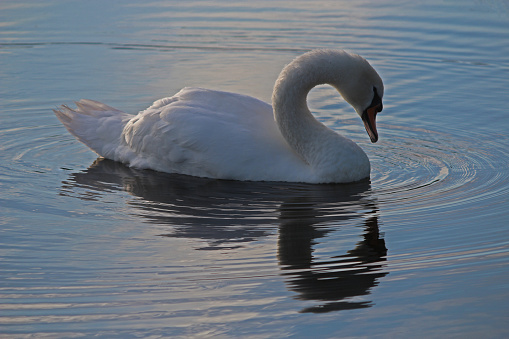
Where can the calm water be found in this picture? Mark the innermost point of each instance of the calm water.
(89, 247)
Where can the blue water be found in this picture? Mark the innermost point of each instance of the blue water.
(89, 247)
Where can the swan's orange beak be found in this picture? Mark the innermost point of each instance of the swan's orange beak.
(369, 119)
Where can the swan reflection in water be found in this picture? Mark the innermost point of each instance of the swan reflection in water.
(334, 280)
(229, 214)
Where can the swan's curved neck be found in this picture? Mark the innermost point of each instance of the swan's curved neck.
(296, 123)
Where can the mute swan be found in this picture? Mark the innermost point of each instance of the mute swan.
(225, 135)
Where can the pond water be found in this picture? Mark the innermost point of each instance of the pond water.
(89, 247)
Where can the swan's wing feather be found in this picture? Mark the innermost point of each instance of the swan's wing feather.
(209, 133)
(95, 124)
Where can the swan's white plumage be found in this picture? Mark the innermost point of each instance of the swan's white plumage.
(213, 134)
(223, 135)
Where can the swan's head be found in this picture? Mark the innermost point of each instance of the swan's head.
(361, 86)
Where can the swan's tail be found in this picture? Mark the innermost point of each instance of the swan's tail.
(95, 124)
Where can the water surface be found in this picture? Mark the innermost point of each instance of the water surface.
(89, 247)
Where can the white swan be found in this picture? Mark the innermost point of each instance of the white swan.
(224, 135)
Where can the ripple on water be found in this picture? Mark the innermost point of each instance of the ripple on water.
(329, 247)
(437, 171)
(424, 179)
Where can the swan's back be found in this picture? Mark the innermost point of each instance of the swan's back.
(210, 134)
(197, 132)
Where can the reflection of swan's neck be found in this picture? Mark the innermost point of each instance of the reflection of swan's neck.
(307, 136)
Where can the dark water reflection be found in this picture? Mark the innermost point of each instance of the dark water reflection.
(340, 277)
(229, 214)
